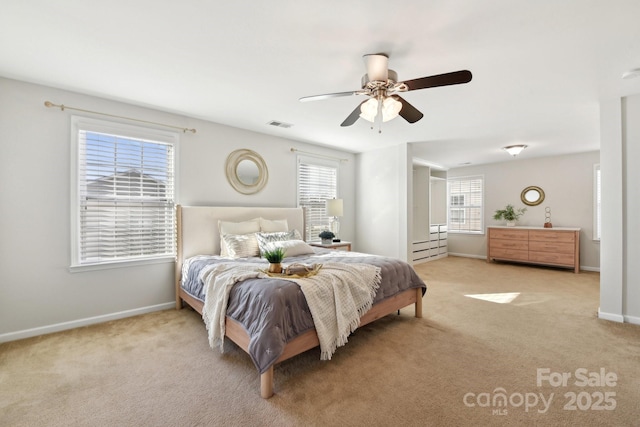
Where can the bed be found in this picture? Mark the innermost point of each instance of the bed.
(289, 331)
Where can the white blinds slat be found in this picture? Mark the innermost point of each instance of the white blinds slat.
(126, 188)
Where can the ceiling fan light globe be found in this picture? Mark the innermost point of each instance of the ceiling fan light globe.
(390, 109)
(369, 110)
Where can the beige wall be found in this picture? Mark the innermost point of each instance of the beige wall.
(38, 294)
(568, 185)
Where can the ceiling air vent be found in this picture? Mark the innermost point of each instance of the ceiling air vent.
(280, 124)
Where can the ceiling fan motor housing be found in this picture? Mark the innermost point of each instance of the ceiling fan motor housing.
(368, 84)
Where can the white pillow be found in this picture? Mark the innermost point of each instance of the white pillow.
(264, 239)
(228, 227)
(241, 245)
(293, 247)
(269, 225)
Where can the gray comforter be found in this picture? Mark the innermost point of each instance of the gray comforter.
(274, 311)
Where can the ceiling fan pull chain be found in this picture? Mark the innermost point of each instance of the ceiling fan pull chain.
(379, 115)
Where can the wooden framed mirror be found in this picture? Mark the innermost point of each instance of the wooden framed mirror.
(532, 196)
(246, 171)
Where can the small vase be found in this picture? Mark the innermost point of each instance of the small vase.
(275, 268)
(511, 223)
(326, 241)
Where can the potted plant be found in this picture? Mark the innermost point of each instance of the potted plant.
(509, 214)
(327, 237)
(275, 257)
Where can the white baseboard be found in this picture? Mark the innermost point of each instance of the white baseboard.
(467, 255)
(620, 318)
(611, 316)
(49, 329)
(632, 319)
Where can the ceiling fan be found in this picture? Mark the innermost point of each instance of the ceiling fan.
(381, 85)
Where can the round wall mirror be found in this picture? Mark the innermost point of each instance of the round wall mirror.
(246, 171)
(532, 196)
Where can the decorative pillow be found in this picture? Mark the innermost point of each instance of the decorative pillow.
(270, 226)
(264, 239)
(228, 227)
(293, 247)
(241, 245)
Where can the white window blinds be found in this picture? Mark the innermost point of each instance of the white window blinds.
(317, 182)
(124, 197)
(465, 204)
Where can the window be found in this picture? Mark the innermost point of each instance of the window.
(456, 212)
(465, 200)
(317, 182)
(597, 200)
(123, 193)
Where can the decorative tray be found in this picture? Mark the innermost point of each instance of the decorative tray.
(296, 271)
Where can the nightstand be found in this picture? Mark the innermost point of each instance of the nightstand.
(343, 245)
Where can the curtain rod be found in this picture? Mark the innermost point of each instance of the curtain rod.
(318, 155)
(63, 107)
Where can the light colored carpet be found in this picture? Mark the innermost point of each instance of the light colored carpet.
(157, 369)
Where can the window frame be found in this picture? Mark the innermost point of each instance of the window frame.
(309, 235)
(464, 208)
(87, 124)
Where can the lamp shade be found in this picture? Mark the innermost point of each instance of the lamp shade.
(334, 207)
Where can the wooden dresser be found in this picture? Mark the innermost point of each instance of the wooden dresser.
(559, 247)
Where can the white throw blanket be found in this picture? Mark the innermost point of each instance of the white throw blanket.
(337, 297)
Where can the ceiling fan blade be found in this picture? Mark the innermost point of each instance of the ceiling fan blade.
(408, 111)
(377, 67)
(331, 95)
(454, 78)
(355, 115)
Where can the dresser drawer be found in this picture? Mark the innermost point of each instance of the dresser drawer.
(509, 254)
(552, 236)
(553, 247)
(421, 246)
(509, 244)
(552, 258)
(503, 233)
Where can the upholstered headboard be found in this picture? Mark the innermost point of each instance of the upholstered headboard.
(198, 225)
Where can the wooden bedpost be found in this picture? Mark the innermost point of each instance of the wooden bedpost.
(419, 303)
(266, 383)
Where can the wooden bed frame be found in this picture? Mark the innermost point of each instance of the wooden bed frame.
(197, 233)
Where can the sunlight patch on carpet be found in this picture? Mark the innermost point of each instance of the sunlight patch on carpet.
(504, 298)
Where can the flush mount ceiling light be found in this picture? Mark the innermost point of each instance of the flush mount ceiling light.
(631, 74)
(514, 150)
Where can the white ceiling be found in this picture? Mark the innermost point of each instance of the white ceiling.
(539, 67)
